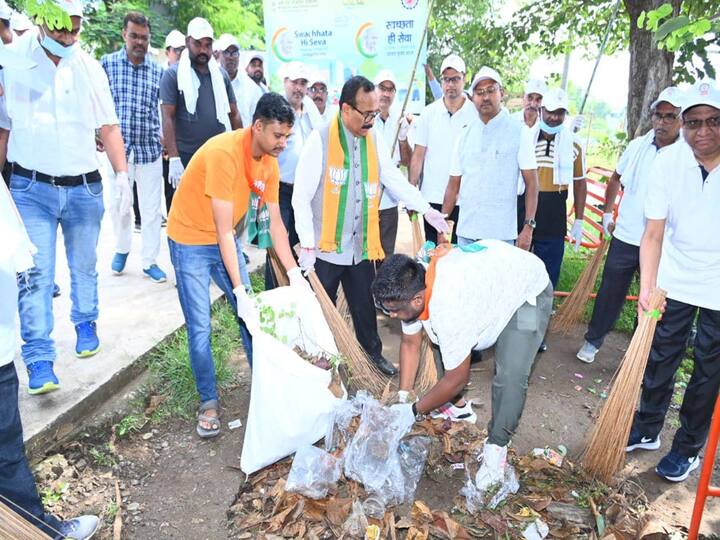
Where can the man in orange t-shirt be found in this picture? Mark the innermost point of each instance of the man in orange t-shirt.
(233, 176)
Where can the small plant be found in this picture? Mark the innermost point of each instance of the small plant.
(130, 424)
(102, 456)
(111, 511)
(52, 495)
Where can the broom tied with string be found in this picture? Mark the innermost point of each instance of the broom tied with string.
(604, 454)
(14, 525)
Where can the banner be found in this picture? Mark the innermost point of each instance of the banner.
(342, 38)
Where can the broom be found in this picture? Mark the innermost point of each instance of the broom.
(572, 309)
(605, 453)
(13, 525)
(364, 374)
(343, 307)
(278, 269)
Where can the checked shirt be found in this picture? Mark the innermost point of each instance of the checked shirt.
(136, 93)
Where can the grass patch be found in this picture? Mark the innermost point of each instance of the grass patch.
(573, 265)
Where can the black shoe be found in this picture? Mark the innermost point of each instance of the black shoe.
(475, 356)
(386, 367)
(543, 347)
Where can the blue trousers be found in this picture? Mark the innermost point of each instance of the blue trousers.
(550, 251)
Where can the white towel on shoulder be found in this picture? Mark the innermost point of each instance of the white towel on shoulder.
(564, 160)
(189, 85)
(631, 174)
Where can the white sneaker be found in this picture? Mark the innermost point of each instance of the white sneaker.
(587, 353)
(80, 528)
(456, 414)
(492, 468)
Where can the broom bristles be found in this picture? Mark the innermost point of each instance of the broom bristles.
(605, 452)
(364, 374)
(278, 269)
(572, 309)
(13, 525)
(344, 308)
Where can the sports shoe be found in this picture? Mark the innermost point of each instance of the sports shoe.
(675, 467)
(543, 347)
(42, 377)
(155, 274)
(87, 343)
(637, 441)
(456, 414)
(587, 353)
(80, 528)
(118, 263)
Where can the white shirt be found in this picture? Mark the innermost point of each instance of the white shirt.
(56, 109)
(489, 158)
(631, 212)
(237, 86)
(302, 127)
(476, 294)
(437, 130)
(250, 93)
(309, 175)
(690, 262)
(387, 129)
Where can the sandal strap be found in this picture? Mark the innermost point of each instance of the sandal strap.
(209, 404)
(212, 420)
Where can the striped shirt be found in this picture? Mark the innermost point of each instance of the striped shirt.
(545, 157)
(136, 93)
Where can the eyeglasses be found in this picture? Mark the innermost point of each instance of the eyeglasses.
(231, 54)
(665, 118)
(489, 91)
(452, 80)
(142, 38)
(367, 116)
(178, 50)
(313, 91)
(695, 124)
(388, 89)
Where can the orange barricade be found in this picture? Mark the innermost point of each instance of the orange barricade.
(597, 178)
(704, 489)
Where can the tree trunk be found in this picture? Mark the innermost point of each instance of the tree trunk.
(650, 68)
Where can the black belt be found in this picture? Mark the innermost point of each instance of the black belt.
(61, 181)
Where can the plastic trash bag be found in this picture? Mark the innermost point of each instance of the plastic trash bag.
(342, 416)
(290, 404)
(356, 524)
(479, 498)
(313, 472)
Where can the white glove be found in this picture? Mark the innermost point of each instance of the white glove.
(577, 123)
(176, 171)
(437, 220)
(306, 260)
(405, 414)
(297, 280)
(246, 308)
(404, 127)
(576, 233)
(124, 193)
(492, 468)
(402, 396)
(607, 222)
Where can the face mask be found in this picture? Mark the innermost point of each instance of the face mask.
(56, 48)
(548, 129)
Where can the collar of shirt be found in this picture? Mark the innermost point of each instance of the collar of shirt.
(126, 58)
(495, 119)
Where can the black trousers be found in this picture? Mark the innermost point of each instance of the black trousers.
(431, 233)
(16, 481)
(168, 189)
(288, 217)
(667, 352)
(388, 229)
(622, 261)
(356, 281)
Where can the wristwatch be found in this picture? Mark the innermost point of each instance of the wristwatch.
(418, 416)
(531, 223)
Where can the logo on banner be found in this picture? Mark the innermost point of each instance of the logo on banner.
(409, 4)
(367, 39)
(283, 44)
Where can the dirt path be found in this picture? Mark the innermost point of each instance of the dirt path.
(177, 486)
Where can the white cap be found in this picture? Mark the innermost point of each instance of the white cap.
(485, 73)
(74, 8)
(199, 28)
(318, 76)
(20, 22)
(702, 93)
(295, 71)
(453, 61)
(254, 55)
(225, 41)
(535, 86)
(385, 75)
(672, 94)
(555, 99)
(175, 39)
(5, 11)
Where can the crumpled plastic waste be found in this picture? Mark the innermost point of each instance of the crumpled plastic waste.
(537, 530)
(313, 472)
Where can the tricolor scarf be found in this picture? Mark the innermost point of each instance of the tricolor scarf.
(335, 193)
(258, 216)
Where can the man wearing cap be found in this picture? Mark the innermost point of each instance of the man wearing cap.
(295, 78)
(681, 208)
(535, 89)
(174, 46)
(197, 99)
(387, 125)
(435, 134)
(20, 23)
(55, 181)
(254, 85)
(561, 163)
(318, 92)
(492, 151)
(632, 173)
(229, 57)
(135, 86)
(336, 201)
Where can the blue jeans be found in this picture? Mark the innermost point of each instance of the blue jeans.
(194, 267)
(79, 211)
(16, 481)
(550, 251)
